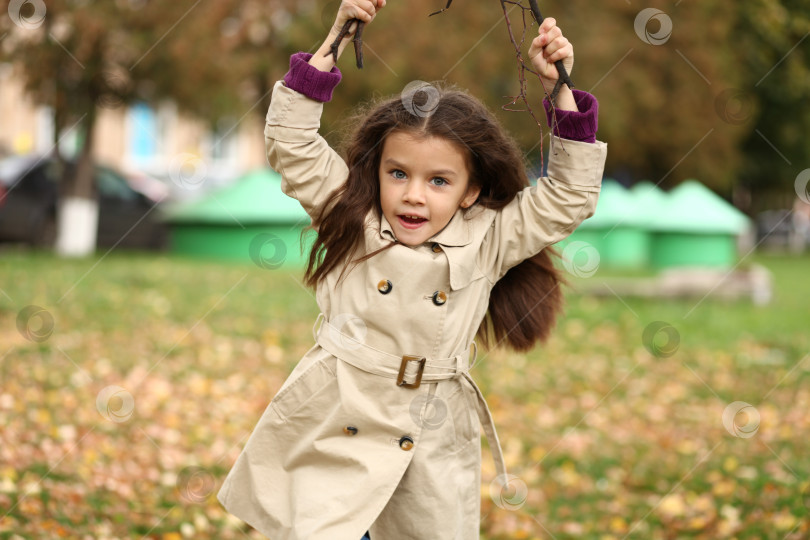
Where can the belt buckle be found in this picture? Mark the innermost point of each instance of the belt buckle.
(401, 375)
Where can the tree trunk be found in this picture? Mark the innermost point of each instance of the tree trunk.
(77, 212)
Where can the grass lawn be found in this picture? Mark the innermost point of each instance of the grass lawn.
(121, 418)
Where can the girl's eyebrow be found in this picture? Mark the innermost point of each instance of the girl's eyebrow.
(439, 172)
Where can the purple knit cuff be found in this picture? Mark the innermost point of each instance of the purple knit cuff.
(309, 80)
(577, 126)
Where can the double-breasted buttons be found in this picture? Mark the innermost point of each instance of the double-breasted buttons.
(406, 442)
(436, 248)
(439, 298)
(385, 286)
(350, 430)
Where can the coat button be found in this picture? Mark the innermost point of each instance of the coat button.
(350, 430)
(437, 248)
(439, 298)
(385, 286)
(406, 442)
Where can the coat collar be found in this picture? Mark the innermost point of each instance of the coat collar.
(460, 233)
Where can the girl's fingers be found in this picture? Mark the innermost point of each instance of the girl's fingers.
(548, 37)
(560, 54)
(364, 10)
(548, 24)
(549, 46)
(544, 38)
(556, 49)
(371, 6)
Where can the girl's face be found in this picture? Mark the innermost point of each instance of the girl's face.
(423, 181)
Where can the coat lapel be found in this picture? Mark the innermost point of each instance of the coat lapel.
(456, 240)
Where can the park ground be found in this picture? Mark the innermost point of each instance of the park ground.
(121, 418)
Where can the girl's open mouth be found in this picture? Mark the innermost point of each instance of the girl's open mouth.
(411, 222)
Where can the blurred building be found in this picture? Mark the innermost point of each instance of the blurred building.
(155, 140)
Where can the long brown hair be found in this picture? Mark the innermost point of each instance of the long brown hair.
(525, 302)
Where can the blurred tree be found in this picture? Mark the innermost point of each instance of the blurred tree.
(657, 97)
(467, 45)
(259, 31)
(771, 101)
(683, 90)
(77, 57)
(677, 83)
(656, 72)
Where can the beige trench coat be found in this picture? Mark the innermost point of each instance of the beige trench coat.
(342, 448)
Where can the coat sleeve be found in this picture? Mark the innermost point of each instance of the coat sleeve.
(310, 169)
(548, 212)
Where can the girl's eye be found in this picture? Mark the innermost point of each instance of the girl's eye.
(439, 181)
(399, 175)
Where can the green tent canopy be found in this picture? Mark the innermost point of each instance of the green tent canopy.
(612, 208)
(615, 230)
(249, 220)
(648, 200)
(694, 208)
(696, 227)
(255, 198)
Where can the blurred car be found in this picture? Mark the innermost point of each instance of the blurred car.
(29, 191)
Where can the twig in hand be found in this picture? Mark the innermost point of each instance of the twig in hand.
(358, 44)
(564, 77)
(445, 8)
(358, 41)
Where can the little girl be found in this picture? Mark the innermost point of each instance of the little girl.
(428, 234)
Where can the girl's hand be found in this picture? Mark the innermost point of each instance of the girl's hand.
(549, 46)
(365, 10)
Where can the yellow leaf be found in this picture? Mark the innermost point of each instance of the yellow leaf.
(618, 525)
(672, 505)
(537, 453)
(784, 521)
(723, 488)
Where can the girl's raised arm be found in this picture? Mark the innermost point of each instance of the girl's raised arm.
(310, 169)
(548, 212)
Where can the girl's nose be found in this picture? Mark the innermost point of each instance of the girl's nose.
(414, 192)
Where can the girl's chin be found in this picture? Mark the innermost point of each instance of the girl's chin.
(411, 238)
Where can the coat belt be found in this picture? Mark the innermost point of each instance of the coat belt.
(372, 360)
